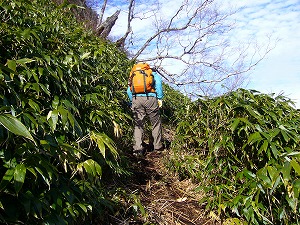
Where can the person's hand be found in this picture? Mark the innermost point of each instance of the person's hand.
(160, 103)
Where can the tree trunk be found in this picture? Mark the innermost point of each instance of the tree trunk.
(105, 28)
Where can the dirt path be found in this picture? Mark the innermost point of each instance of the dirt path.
(166, 199)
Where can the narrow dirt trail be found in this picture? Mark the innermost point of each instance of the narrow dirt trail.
(167, 200)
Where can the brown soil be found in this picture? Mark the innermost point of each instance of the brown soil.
(166, 199)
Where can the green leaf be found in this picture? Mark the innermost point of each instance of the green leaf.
(249, 174)
(69, 105)
(36, 87)
(285, 136)
(85, 55)
(101, 146)
(47, 58)
(102, 141)
(264, 147)
(274, 150)
(53, 119)
(263, 175)
(273, 173)
(68, 59)
(9, 174)
(43, 176)
(11, 64)
(26, 33)
(277, 182)
(296, 166)
(55, 102)
(31, 118)
(43, 87)
(235, 124)
(257, 126)
(41, 71)
(292, 202)
(71, 119)
(7, 69)
(19, 177)
(24, 61)
(274, 132)
(286, 173)
(34, 105)
(12, 124)
(92, 167)
(63, 114)
(83, 207)
(254, 113)
(254, 138)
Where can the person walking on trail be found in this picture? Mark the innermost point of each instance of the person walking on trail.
(145, 93)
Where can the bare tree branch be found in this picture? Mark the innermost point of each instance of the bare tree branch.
(191, 44)
(169, 28)
(101, 14)
(107, 25)
(121, 41)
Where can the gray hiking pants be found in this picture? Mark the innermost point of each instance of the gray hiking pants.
(142, 107)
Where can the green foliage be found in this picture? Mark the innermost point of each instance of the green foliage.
(61, 115)
(243, 150)
(174, 106)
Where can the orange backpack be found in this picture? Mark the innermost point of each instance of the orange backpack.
(141, 79)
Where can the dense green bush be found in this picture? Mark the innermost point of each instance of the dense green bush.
(243, 150)
(174, 104)
(62, 113)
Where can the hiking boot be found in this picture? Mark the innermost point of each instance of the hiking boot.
(148, 147)
(160, 149)
(139, 153)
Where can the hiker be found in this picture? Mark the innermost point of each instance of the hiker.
(145, 93)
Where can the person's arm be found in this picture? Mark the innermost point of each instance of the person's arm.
(129, 93)
(158, 86)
